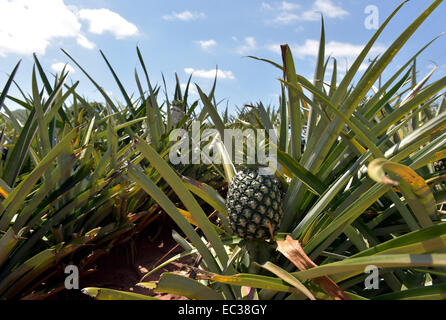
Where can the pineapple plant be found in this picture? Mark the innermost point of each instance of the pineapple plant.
(79, 178)
(360, 152)
(64, 198)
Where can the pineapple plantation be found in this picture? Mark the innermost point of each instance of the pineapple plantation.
(358, 189)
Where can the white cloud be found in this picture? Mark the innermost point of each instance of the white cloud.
(333, 48)
(84, 42)
(266, 6)
(250, 45)
(288, 6)
(440, 68)
(28, 26)
(286, 18)
(210, 74)
(344, 64)
(288, 12)
(184, 16)
(327, 8)
(283, 6)
(344, 52)
(207, 44)
(58, 67)
(283, 16)
(104, 20)
(192, 89)
(275, 47)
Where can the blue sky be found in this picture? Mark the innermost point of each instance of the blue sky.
(197, 35)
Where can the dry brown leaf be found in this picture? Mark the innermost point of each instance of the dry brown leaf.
(294, 252)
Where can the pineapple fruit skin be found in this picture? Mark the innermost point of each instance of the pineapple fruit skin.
(254, 204)
(177, 112)
(177, 115)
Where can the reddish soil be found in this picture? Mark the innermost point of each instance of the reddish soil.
(117, 270)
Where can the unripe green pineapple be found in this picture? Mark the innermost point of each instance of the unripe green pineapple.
(177, 110)
(440, 165)
(254, 204)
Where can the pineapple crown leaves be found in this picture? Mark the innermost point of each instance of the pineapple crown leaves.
(178, 103)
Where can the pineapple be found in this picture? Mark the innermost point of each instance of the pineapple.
(177, 112)
(254, 204)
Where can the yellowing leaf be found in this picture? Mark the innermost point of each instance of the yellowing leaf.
(419, 196)
(188, 216)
